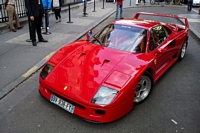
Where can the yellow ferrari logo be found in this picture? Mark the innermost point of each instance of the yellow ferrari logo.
(65, 88)
(155, 61)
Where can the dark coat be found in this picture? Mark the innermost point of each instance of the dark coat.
(33, 8)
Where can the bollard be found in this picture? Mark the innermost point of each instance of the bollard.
(69, 14)
(103, 5)
(29, 40)
(94, 6)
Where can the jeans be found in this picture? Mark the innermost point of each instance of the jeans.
(117, 9)
(189, 5)
(46, 18)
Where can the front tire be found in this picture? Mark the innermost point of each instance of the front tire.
(183, 51)
(144, 88)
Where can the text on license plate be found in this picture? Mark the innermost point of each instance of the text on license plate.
(63, 104)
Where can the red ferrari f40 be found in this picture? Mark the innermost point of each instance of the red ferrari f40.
(100, 78)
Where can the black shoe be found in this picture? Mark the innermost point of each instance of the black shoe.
(34, 43)
(43, 40)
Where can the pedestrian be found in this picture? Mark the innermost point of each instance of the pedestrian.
(10, 7)
(47, 7)
(199, 10)
(56, 7)
(144, 2)
(35, 11)
(84, 7)
(139, 1)
(189, 7)
(119, 5)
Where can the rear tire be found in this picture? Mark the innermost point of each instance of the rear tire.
(152, 2)
(144, 88)
(167, 2)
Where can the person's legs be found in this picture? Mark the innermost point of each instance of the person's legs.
(32, 30)
(121, 10)
(16, 18)
(39, 34)
(117, 8)
(59, 10)
(56, 14)
(189, 6)
(84, 7)
(10, 10)
(46, 18)
(38, 21)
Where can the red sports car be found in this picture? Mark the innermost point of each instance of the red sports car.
(100, 79)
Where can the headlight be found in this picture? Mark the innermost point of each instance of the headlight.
(46, 70)
(104, 96)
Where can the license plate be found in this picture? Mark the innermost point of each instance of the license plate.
(63, 104)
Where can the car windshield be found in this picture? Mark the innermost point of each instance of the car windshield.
(121, 37)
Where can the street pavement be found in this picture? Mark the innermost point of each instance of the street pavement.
(19, 59)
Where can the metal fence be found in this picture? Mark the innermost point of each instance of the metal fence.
(21, 10)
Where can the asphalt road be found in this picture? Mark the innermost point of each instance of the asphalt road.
(173, 106)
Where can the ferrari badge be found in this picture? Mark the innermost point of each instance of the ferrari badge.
(155, 61)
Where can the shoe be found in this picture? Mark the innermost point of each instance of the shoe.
(41, 28)
(115, 18)
(47, 28)
(56, 21)
(43, 40)
(85, 14)
(20, 27)
(122, 18)
(13, 30)
(34, 43)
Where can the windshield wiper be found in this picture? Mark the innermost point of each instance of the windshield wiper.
(97, 40)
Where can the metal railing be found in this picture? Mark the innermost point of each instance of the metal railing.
(21, 9)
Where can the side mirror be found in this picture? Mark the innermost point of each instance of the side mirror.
(88, 35)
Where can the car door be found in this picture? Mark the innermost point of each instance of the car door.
(158, 46)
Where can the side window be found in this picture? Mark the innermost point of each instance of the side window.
(158, 35)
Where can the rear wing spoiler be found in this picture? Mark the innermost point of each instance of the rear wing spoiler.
(162, 15)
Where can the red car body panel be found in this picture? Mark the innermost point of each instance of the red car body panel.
(81, 68)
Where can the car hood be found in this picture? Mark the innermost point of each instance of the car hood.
(81, 73)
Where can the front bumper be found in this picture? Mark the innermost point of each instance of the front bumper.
(92, 113)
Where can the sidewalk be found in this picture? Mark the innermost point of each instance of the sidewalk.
(19, 59)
